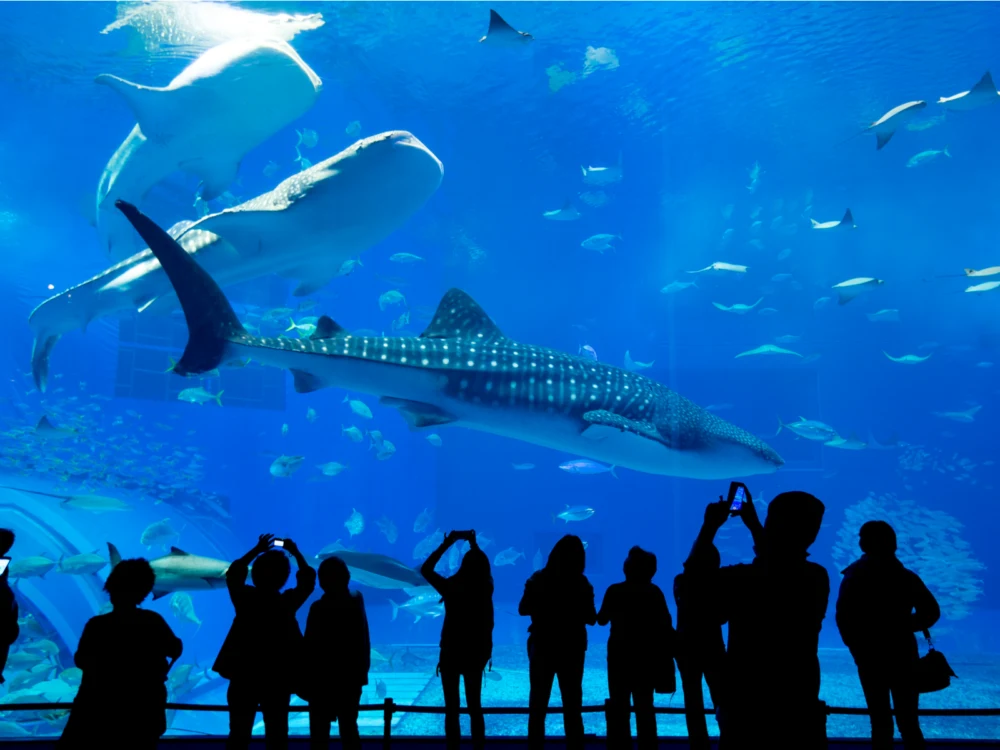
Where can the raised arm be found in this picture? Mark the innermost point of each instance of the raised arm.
(305, 576)
(715, 516)
(435, 579)
(236, 575)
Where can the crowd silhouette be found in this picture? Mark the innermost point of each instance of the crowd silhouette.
(763, 681)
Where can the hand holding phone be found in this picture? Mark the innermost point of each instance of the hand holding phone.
(279, 542)
(737, 496)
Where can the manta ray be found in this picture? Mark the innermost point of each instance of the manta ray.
(462, 370)
(230, 99)
(304, 229)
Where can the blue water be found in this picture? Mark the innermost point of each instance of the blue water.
(691, 98)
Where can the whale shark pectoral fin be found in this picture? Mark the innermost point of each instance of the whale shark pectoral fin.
(216, 175)
(418, 414)
(310, 286)
(883, 138)
(151, 106)
(305, 382)
(40, 351)
(459, 315)
(602, 424)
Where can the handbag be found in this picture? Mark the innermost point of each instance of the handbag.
(933, 670)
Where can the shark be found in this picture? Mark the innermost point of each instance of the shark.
(306, 228)
(227, 101)
(180, 571)
(463, 370)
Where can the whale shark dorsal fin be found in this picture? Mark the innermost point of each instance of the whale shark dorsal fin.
(460, 316)
(177, 551)
(146, 103)
(848, 218)
(985, 85)
(326, 328)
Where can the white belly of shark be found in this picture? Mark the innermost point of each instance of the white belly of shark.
(297, 230)
(462, 370)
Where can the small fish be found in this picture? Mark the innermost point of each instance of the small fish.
(586, 466)
(159, 532)
(284, 430)
(270, 169)
(401, 322)
(353, 433)
(355, 523)
(182, 607)
(332, 468)
(349, 266)
(381, 690)
(719, 268)
(574, 513)
(588, 352)
(884, 316)
(308, 138)
(783, 255)
(358, 407)
(353, 129)
(376, 438)
(304, 329)
(821, 303)
(633, 365)
(388, 529)
(422, 521)
(508, 556)
(810, 429)
(405, 258)
(311, 415)
(285, 466)
(199, 396)
(567, 213)
(392, 297)
(434, 439)
(927, 156)
(302, 161)
(386, 450)
(779, 277)
(600, 242)
(678, 286)
(523, 467)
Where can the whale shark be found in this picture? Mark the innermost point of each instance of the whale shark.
(462, 370)
(226, 102)
(310, 223)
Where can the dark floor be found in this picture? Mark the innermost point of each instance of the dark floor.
(499, 743)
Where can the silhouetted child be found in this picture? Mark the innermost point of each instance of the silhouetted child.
(700, 647)
(467, 633)
(775, 609)
(640, 650)
(880, 606)
(125, 656)
(9, 629)
(560, 601)
(262, 656)
(338, 657)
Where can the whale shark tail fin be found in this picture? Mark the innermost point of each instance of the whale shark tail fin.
(985, 85)
(146, 103)
(211, 320)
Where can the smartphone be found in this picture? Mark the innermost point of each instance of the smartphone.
(4, 562)
(737, 496)
(278, 543)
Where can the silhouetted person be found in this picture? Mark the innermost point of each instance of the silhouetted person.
(338, 657)
(125, 656)
(700, 648)
(880, 606)
(640, 649)
(9, 629)
(262, 655)
(560, 601)
(775, 608)
(467, 633)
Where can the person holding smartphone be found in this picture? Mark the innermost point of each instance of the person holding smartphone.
(263, 650)
(467, 633)
(9, 629)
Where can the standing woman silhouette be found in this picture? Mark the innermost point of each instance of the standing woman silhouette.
(560, 602)
(467, 633)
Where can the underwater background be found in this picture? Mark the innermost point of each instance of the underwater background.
(724, 131)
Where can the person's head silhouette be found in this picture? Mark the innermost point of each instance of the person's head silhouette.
(568, 557)
(334, 575)
(129, 582)
(877, 539)
(475, 570)
(6, 541)
(793, 522)
(640, 565)
(271, 570)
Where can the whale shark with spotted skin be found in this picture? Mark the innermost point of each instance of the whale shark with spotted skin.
(303, 229)
(462, 370)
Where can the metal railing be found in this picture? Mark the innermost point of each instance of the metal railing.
(389, 707)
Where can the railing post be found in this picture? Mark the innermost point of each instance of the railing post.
(387, 712)
(607, 715)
